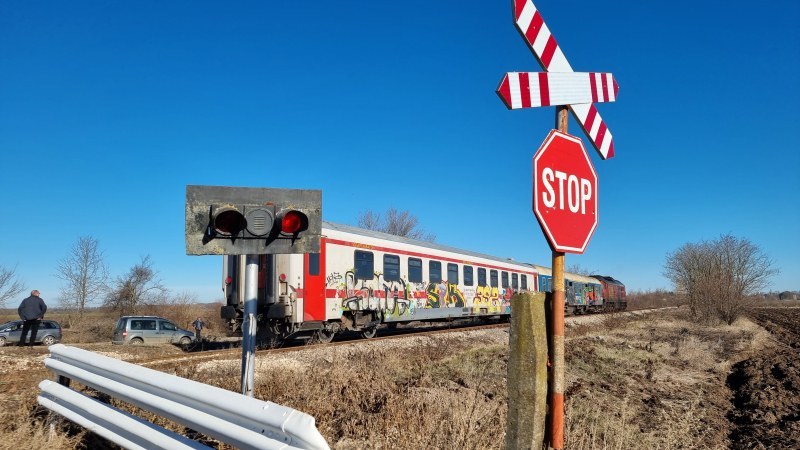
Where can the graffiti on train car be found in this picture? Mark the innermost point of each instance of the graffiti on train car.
(403, 298)
(444, 295)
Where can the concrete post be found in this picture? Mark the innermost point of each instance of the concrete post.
(527, 373)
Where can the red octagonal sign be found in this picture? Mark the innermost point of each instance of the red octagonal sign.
(565, 192)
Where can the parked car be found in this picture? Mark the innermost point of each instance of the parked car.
(49, 333)
(136, 330)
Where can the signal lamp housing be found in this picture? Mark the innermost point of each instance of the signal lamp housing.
(252, 221)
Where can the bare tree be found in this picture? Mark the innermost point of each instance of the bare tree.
(84, 272)
(398, 223)
(719, 276)
(580, 270)
(139, 287)
(10, 285)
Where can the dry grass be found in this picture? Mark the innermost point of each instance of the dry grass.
(649, 382)
(656, 383)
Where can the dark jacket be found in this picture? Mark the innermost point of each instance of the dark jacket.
(32, 308)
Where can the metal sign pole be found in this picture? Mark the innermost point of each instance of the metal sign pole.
(557, 336)
(249, 325)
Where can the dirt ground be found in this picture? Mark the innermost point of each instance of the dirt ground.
(766, 386)
(635, 382)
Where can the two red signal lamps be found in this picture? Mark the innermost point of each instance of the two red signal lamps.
(229, 221)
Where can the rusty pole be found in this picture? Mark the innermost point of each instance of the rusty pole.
(557, 333)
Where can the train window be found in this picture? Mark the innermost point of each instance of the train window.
(468, 281)
(524, 279)
(504, 279)
(391, 267)
(545, 284)
(481, 277)
(514, 281)
(434, 271)
(364, 265)
(452, 273)
(493, 278)
(414, 270)
(313, 263)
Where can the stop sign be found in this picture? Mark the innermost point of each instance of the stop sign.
(565, 192)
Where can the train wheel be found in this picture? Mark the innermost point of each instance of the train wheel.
(324, 336)
(369, 332)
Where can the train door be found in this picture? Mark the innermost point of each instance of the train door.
(314, 285)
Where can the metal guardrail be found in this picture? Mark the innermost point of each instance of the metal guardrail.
(232, 418)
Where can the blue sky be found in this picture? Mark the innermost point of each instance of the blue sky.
(109, 109)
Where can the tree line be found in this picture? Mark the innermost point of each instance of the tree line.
(86, 281)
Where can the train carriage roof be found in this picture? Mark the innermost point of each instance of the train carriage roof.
(432, 245)
(609, 279)
(542, 270)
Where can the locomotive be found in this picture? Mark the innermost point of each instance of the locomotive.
(363, 279)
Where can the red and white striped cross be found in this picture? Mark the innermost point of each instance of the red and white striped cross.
(560, 85)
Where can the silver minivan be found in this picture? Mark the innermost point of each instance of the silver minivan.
(136, 330)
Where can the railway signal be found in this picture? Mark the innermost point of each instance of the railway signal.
(252, 221)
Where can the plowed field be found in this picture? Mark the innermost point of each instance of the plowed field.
(766, 387)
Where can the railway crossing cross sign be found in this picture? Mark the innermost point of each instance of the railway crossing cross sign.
(560, 85)
(565, 192)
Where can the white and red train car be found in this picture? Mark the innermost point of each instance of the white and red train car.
(362, 279)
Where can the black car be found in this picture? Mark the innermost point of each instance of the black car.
(49, 333)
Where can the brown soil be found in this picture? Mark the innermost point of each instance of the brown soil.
(766, 386)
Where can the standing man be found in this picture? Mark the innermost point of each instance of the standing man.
(198, 326)
(31, 311)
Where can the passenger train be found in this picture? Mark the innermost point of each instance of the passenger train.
(362, 280)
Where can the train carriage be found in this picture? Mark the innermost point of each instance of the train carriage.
(362, 279)
(613, 293)
(582, 294)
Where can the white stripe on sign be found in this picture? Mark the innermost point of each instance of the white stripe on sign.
(534, 89)
(540, 40)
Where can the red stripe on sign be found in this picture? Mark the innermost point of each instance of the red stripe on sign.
(604, 77)
(519, 5)
(592, 82)
(549, 50)
(600, 134)
(610, 150)
(505, 92)
(590, 119)
(534, 28)
(544, 89)
(525, 90)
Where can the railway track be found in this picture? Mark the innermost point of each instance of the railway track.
(344, 339)
(348, 338)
